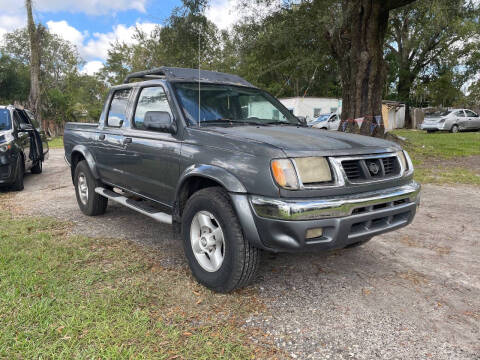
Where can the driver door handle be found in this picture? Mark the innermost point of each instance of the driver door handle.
(127, 141)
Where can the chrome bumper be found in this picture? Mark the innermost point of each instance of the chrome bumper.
(332, 207)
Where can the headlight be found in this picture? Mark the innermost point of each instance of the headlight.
(313, 170)
(405, 161)
(5, 147)
(284, 174)
(441, 121)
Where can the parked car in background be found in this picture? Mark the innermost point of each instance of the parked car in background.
(235, 172)
(454, 120)
(23, 146)
(326, 122)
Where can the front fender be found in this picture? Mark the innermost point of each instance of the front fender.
(215, 173)
(83, 150)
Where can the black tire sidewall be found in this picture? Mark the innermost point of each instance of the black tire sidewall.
(19, 175)
(82, 167)
(220, 279)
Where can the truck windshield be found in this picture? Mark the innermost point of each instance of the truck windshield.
(5, 123)
(230, 104)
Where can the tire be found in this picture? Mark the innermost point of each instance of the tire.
(239, 260)
(430, 131)
(37, 168)
(17, 184)
(89, 202)
(454, 129)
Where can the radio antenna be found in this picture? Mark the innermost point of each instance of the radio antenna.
(199, 87)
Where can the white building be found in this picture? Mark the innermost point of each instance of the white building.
(312, 107)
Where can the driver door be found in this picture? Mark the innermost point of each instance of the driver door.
(23, 137)
(473, 119)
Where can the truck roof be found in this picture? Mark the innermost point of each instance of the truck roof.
(175, 74)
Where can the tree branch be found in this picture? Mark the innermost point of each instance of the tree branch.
(394, 4)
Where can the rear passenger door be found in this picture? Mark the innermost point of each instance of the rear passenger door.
(109, 146)
(152, 165)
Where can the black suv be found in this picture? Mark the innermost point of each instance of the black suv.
(23, 146)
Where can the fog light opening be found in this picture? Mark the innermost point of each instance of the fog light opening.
(314, 233)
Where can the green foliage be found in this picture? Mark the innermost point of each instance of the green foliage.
(429, 50)
(14, 80)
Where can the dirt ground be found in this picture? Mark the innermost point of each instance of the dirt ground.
(411, 294)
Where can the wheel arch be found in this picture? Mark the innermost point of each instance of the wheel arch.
(79, 153)
(197, 177)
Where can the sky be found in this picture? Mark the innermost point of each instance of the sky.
(92, 25)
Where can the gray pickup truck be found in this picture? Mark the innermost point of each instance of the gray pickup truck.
(235, 172)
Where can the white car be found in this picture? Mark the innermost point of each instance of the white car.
(326, 121)
(454, 120)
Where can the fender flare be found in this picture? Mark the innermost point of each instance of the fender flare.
(229, 181)
(82, 149)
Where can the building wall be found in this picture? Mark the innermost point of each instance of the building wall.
(309, 106)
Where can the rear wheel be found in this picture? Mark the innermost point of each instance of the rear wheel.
(37, 168)
(217, 252)
(454, 129)
(18, 182)
(88, 200)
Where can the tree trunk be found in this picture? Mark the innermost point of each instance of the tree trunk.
(357, 45)
(34, 98)
(359, 50)
(405, 83)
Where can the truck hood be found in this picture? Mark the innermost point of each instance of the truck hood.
(304, 141)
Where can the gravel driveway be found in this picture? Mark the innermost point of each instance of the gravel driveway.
(411, 294)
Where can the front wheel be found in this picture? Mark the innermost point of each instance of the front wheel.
(18, 182)
(218, 254)
(88, 200)
(37, 168)
(454, 129)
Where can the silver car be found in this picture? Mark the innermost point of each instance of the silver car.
(326, 121)
(454, 120)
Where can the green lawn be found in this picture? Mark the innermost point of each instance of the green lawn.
(74, 297)
(56, 143)
(444, 157)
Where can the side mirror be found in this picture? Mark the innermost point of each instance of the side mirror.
(159, 121)
(24, 127)
(303, 120)
(114, 121)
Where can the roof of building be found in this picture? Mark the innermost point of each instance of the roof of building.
(188, 75)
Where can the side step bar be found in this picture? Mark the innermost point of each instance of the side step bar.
(135, 205)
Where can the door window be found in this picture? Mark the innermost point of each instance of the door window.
(150, 99)
(118, 107)
(459, 113)
(470, 113)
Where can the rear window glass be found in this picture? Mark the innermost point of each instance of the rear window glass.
(118, 106)
(5, 123)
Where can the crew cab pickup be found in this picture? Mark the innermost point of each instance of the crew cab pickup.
(235, 172)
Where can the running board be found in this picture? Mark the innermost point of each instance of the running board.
(135, 205)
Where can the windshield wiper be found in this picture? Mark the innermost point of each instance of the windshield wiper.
(226, 121)
(283, 123)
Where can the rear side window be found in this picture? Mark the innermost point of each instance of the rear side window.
(460, 113)
(150, 99)
(118, 107)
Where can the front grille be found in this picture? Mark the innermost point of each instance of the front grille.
(371, 168)
(352, 169)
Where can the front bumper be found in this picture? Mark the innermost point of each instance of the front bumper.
(434, 126)
(282, 225)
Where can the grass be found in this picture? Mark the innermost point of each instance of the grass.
(75, 297)
(56, 143)
(443, 158)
